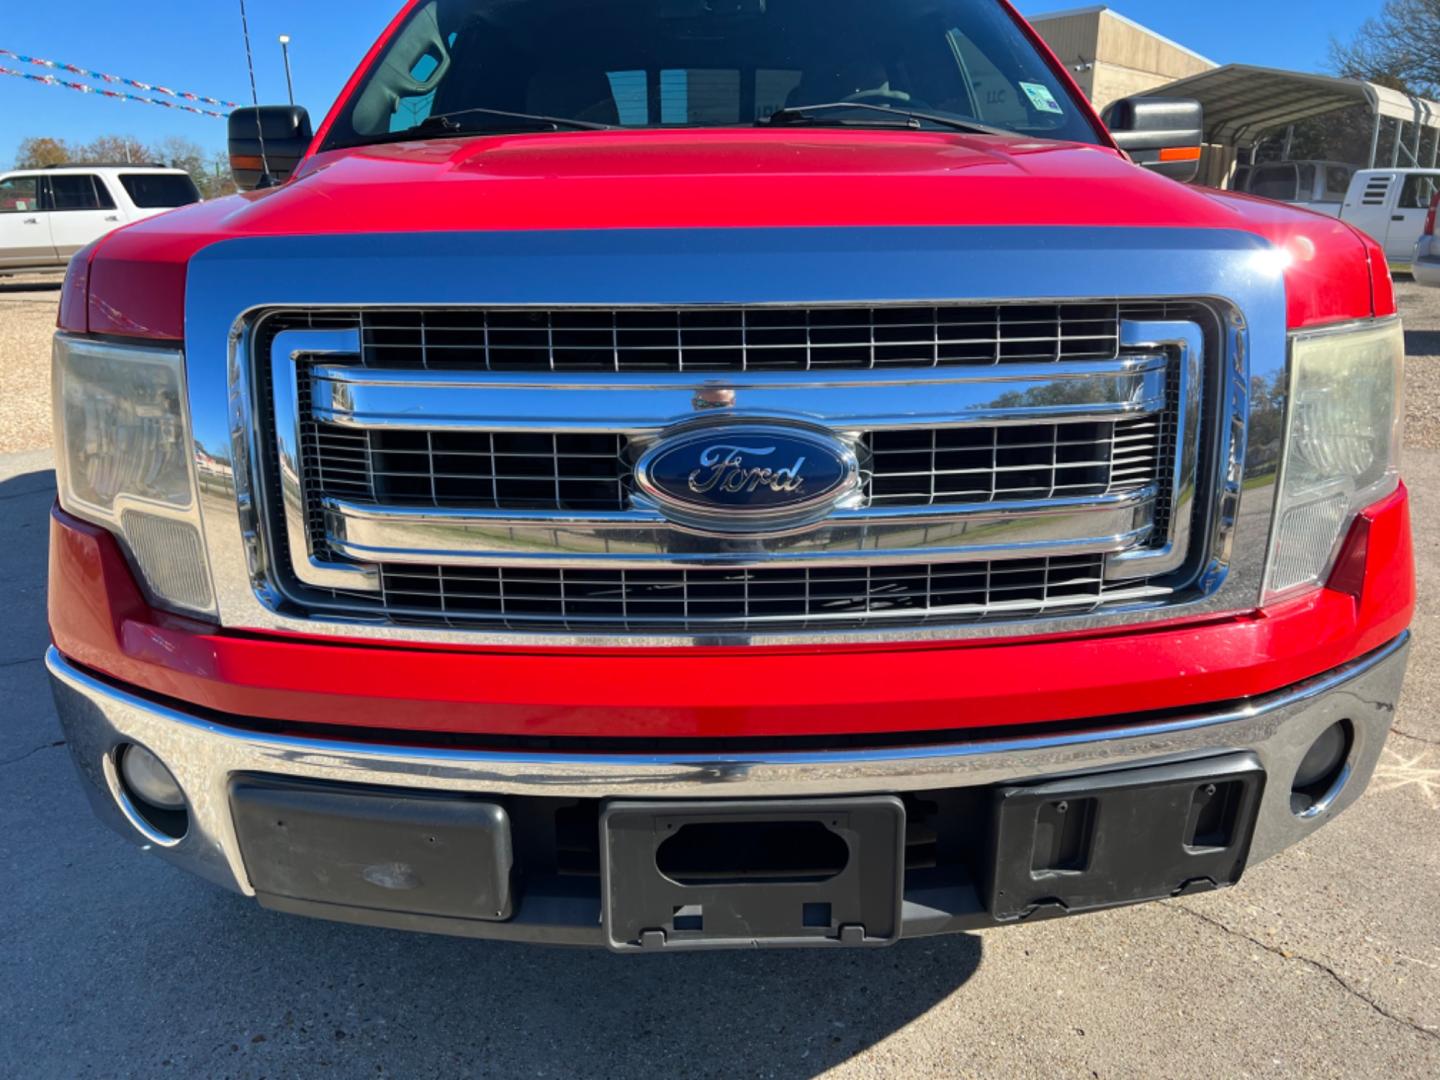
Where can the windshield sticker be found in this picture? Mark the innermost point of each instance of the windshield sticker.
(1041, 98)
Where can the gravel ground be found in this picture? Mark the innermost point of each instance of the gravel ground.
(27, 319)
(1420, 308)
(1324, 961)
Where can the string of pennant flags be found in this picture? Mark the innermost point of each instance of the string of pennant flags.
(183, 100)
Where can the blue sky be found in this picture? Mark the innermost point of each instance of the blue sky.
(197, 47)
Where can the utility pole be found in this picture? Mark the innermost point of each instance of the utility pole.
(289, 83)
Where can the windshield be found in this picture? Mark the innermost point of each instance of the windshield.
(461, 66)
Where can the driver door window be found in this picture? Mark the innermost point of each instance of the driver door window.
(20, 195)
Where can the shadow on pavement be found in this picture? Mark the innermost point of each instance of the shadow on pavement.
(21, 287)
(24, 535)
(201, 982)
(1422, 343)
(388, 1003)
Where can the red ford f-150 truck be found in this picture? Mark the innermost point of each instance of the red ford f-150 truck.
(683, 473)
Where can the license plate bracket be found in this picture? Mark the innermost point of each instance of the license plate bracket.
(728, 874)
(1099, 841)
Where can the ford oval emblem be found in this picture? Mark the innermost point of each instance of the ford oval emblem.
(747, 478)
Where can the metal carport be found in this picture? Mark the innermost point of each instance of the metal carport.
(1243, 102)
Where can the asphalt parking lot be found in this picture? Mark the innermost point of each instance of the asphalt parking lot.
(1324, 961)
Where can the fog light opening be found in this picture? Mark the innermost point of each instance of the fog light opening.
(1324, 771)
(149, 795)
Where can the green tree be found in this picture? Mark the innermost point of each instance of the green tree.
(210, 169)
(39, 151)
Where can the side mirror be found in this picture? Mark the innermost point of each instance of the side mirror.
(1162, 134)
(266, 144)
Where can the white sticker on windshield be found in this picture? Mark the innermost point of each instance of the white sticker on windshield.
(1041, 97)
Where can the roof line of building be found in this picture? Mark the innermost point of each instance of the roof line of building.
(1106, 9)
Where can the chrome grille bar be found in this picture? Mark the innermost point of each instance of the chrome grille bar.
(645, 405)
(462, 537)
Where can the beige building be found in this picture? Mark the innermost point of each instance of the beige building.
(1114, 57)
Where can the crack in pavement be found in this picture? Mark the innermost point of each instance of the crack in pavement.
(24, 660)
(50, 492)
(1324, 969)
(1416, 738)
(31, 753)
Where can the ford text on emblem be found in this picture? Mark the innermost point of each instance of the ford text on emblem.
(748, 478)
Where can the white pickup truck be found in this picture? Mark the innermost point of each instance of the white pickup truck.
(1388, 204)
(46, 215)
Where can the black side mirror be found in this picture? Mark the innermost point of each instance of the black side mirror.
(266, 144)
(1162, 134)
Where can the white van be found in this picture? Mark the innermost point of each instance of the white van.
(46, 215)
(1315, 185)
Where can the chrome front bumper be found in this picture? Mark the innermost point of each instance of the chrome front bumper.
(204, 755)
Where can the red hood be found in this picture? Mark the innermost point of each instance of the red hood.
(715, 179)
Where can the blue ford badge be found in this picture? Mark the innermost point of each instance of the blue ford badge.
(748, 477)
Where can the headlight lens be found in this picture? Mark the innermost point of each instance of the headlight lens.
(124, 460)
(1342, 446)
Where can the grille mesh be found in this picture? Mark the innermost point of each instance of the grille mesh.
(498, 471)
(658, 598)
(738, 339)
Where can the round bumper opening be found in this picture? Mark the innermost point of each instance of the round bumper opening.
(1324, 770)
(148, 794)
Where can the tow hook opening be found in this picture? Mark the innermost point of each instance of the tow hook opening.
(1324, 771)
(148, 794)
(753, 852)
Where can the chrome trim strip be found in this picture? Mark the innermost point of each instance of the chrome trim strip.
(231, 283)
(203, 755)
(286, 352)
(111, 772)
(644, 538)
(646, 405)
(1188, 342)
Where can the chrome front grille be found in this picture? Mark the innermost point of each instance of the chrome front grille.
(736, 339)
(465, 468)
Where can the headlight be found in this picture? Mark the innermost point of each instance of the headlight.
(1342, 446)
(124, 460)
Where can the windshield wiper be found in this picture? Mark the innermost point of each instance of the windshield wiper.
(910, 118)
(444, 125)
(444, 121)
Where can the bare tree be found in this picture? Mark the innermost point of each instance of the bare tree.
(211, 172)
(1397, 48)
(126, 149)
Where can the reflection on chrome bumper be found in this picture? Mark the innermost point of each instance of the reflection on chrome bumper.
(204, 755)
